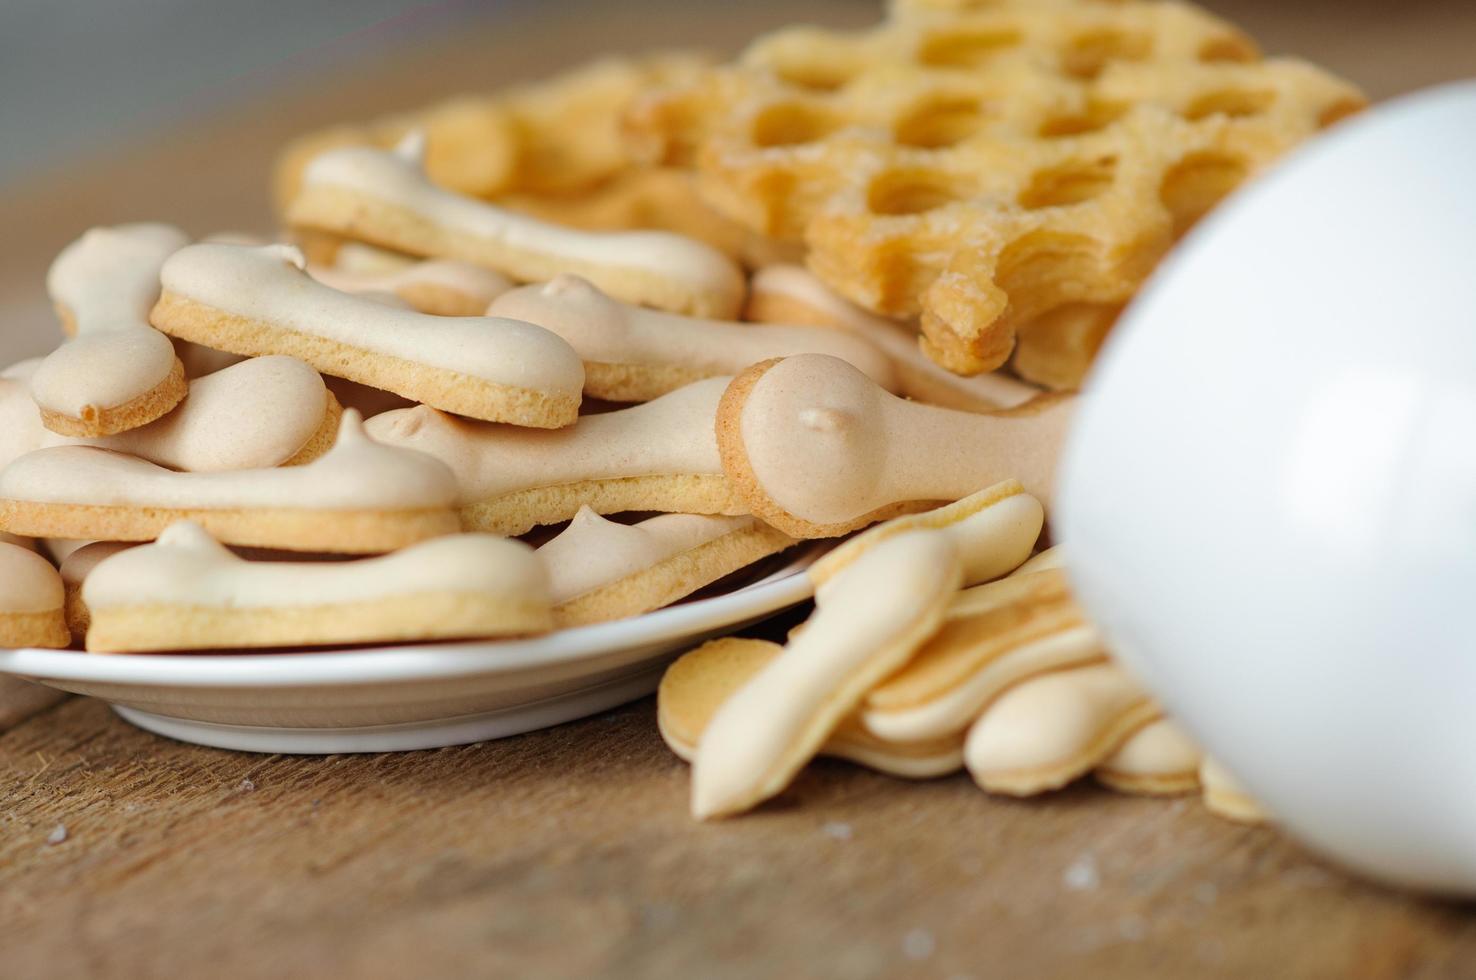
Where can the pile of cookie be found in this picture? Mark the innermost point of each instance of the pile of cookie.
(764, 301)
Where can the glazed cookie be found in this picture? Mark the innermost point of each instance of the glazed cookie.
(260, 301)
(1225, 797)
(75, 568)
(994, 531)
(633, 354)
(793, 294)
(817, 449)
(601, 570)
(1045, 732)
(1157, 760)
(32, 600)
(384, 197)
(263, 412)
(187, 592)
(116, 373)
(996, 636)
(700, 681)
(869, 619)
(660, 456)
(443, 287)
(361, 497)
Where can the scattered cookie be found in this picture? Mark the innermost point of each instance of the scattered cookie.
(1225, 797)
(994, 530)
(633, 354)
(262, 412)
(816, 449)
(443, 287)
(188, 592)
(1157, 760)
(32, 600)
(659, 456)
(869, 619)
(601, 570)
(384, 197)
(1045, 732)
(698, 683)
(75, 568)
(117, 372)
(260, 301)
(793, 294)
(361, 497)
(996, 636)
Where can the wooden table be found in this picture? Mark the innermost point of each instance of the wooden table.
(569, 852)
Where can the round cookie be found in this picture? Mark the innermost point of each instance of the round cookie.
(32, 600)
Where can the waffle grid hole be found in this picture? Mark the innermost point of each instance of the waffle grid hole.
(818, 75)
(939, 123)
(1090, 52)
(1197, 183)
(901, 192)
(1230, 102)
(965, 48)
(1098, 115)
(1228, 47)
(1072, 183)
(790, 124)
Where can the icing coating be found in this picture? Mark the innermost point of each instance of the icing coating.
(361, 258)
(828, 445)
(76, 566)
(918, 376)
(28, 583)
(607, 331)
(255, 414)
(1052, 557)
(1160, 748)
(187, 567)
(268, 284)
(358, 473)
(1050, 719)
(771, 726)
(535, 248)
(672, 434)
(104, 283)
(473, 281)
(593, 552)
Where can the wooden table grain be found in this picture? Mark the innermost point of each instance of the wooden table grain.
(569, 852)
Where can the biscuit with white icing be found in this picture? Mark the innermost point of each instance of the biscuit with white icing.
(32, 600)
(1225, 797)
(794, 294)
(869, 620)
(261, 412)
(187, 592)
(1043, 733)
(659, 456)
(361, 497)
(817, 449)
(384, 197)
(442, 287)
(116, 372)
(632, 354)
(601, 570)
(1160, 759)
(696, 685)
(75, 568)
(260, 301)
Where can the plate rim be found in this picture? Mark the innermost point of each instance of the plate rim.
(780, 589)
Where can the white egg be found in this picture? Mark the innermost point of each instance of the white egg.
(1270, 496)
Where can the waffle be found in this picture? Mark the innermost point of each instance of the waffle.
(982, 166)
(553, 149)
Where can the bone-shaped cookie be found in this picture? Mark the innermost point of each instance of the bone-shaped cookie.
(384, 197)
(187, 592)
(601, 570)
(361, 497)
(1225, 797)
(633, 354)
(260, 301)
(31, 600)
(793, 294)
(996, 636)
(117, 372)
(817, 449)
(660, 456)
(267, 411)
(869, 619)
(444, 287)
(700, 681)
(1045, 732)
(1159, 759)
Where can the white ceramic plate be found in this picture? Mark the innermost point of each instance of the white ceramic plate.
(408, 697)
